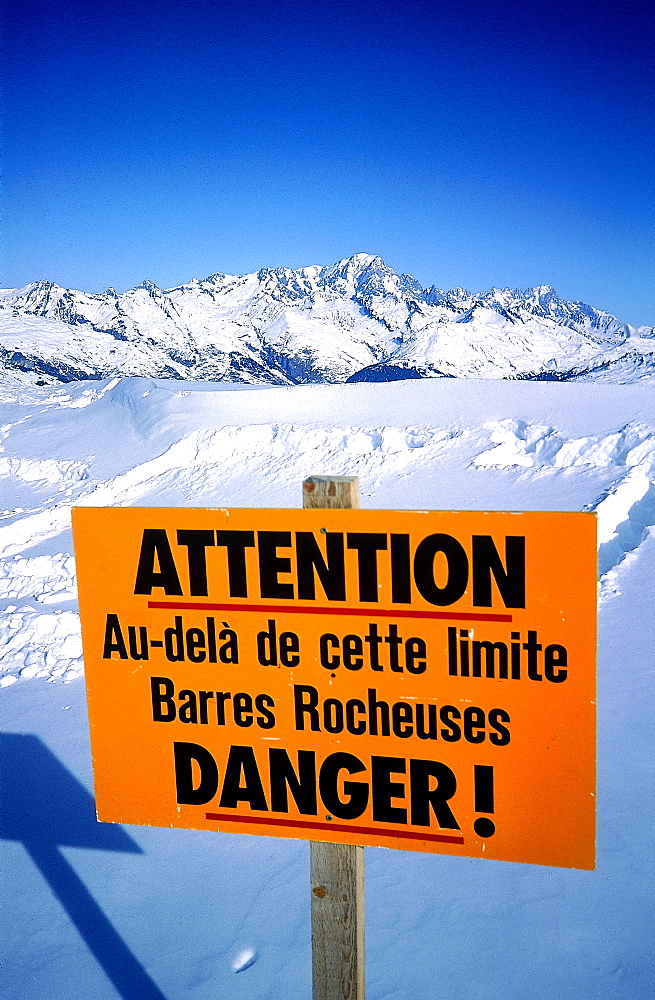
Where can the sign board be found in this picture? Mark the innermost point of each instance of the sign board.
(422, 680)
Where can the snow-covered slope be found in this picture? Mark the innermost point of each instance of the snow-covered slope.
(357, 319)
(101, 911)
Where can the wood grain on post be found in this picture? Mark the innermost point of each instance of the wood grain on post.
(336, 870)
(331, 492)
(337, 880)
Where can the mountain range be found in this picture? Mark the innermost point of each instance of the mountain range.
(356, 320)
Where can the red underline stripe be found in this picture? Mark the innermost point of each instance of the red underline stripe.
(336, 827)
(467, 616)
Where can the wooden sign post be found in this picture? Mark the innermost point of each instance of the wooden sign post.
(336, 870)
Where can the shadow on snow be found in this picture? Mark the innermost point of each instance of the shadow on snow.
(45, 807)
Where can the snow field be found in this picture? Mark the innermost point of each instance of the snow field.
(227, 916)
(264, 464)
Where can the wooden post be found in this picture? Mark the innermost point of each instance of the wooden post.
(337, 880)
(336, 870)
(331, 491)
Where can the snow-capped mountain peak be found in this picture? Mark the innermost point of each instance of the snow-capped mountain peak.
(352, 320)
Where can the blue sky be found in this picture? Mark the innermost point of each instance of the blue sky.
(473, 143)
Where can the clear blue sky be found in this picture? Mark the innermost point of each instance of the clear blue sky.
(468, 142)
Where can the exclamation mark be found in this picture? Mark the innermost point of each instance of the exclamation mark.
(483, 776)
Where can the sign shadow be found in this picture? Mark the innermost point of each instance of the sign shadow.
(44, 807)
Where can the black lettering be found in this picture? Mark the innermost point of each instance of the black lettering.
(196, 542)
(415, 655)
(163, 707)
(327, 661)
(402, 719)
(236, 543)
(431, 732)
(367, 545)
(457, 566)
(155, 544)
(301, 784)
(174, 641)
(242, 709)
(384, 789)
(114, 641)
(474, 725)
(352, 725)
(242, 761)
(211, 640)
(483, 783)
(263, 704)
(490, 650)
(267, 645)
(422, 797)
(487, 563)
(195, 645)
(332, 715)
(138, 651)
(356, 791)
(221, 698)
(374, 640)
(555, 656)
(501, 736)
(516, 655)
(187, 793)
(304, 707)
(352, 649)
(332, 573)
(373, 707)
(204, 697)
(393, 640)
(452, 732)
(401, 582)
(452, 651)
(229, 651)
(464, 652)
(289, 648)
(188, 707)
(271, 565)
(533, 648)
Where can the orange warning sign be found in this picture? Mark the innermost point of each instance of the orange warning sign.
(422, 680)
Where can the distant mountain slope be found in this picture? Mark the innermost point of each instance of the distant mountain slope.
(356, 320)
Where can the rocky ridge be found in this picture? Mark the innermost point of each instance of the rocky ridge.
(356, 320)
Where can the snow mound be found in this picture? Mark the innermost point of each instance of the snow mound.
(244, 959)
(39, 645)
(47, 579)
(626, 509)
(535, 446)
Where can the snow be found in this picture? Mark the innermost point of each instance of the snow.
(314, 325)
(93, 910)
